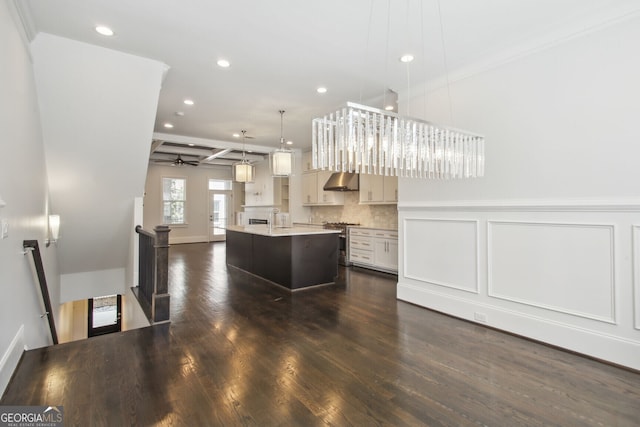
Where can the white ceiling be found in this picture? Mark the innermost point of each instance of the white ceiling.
(282, 50)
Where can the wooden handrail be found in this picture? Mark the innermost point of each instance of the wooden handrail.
(32, 246)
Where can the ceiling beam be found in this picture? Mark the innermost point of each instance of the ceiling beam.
(217, 152)
(212, 143)
(184, 151)
(155, 144)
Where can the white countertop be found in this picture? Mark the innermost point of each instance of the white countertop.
(263, 230)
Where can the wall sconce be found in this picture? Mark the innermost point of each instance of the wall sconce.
(54, 229)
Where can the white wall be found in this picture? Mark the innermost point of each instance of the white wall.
(23, 187)
(98, 110)
(546, 244)
(197, 210)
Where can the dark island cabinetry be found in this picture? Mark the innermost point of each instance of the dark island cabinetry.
(294, 259)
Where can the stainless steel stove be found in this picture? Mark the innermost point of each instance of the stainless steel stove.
(343, 255)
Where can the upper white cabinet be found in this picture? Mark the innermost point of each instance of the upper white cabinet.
(390, 186)
(313, 192)
(309, 188)
(313, 181)
(328, 197)
(378, 189)
(307, 162)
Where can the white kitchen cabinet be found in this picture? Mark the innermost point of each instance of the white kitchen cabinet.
(309, 188)
(390, 189)
(374, 248)
(328, 197)
(371, 188)
(385, 250)
(378, 189)
(307, 161)
(313, 192)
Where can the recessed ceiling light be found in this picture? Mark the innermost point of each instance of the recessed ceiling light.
(188, 101)
(389, 108)
(105, 31)
(168, 125)
(223, 63)
(236, 135)
(406, 58)
(179, 113)
(289, 142)
(321, 89)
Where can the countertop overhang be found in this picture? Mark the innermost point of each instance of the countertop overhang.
(263, 230)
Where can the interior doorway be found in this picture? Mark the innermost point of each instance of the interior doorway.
(220, 209)
(104, 315)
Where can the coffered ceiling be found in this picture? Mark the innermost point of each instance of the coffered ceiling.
(281, 51)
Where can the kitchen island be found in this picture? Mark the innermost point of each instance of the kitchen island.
(295, 258)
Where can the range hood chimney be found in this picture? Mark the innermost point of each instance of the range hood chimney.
(342, 181)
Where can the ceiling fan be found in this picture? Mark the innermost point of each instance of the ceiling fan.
(179, 162)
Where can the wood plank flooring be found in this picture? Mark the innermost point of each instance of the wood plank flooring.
(241, 352)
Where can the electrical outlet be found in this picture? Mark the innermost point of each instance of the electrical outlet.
(480, 317)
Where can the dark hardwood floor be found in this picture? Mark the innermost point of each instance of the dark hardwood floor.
(240, 351)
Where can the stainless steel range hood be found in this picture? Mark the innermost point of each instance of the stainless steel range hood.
(342, 181)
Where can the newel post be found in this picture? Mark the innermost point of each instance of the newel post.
(161, 299)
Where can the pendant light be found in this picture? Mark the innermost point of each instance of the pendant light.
(243, 171)
(281, 160)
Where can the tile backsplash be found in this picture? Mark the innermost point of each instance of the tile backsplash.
(376, 216)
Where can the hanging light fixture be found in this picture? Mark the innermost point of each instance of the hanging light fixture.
(281, 160)
(243, 171)
(362, 139)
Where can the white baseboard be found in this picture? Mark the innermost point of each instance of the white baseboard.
(10, 359)
(188, 239)
(615, 349)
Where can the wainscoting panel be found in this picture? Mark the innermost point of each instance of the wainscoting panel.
(562, 272)
(564, 267)
(448, 257)
(636, 275)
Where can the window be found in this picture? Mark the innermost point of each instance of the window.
(219, 184)
(174, 199)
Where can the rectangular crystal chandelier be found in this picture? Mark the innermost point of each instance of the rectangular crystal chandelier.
(362, 139)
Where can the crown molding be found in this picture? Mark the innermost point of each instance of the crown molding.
(23, 18)
(568, 31)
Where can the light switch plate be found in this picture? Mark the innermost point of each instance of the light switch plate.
(4, 228)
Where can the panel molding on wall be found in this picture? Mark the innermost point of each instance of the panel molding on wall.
(635, 253)
(565, 267)
(536, 205)
(457, 239)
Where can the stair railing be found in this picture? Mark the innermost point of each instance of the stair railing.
(31, 246)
